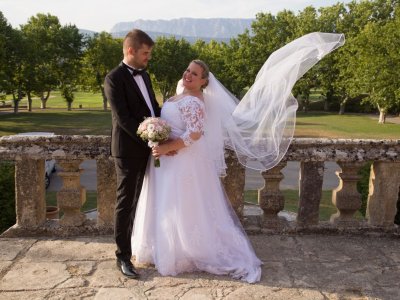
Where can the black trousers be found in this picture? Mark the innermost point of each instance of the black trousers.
(130, 173)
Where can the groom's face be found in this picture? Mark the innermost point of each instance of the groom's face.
(140, 57)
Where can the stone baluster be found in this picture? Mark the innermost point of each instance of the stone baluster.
(234, 182)
(30, 192)
(383, 195)
(311, 179)
(270, 197)
(346, 197)
(106, 192)
(72, 195)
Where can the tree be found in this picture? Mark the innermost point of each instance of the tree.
(239, 64)
(369, 62)
(4, 33)
(378, 65)
(69, 61)
(170, 58)
(354, 20)
(42, 35)
(307, 21)
(330, 20)
(214, 54)
(103, 53)
(11, 58)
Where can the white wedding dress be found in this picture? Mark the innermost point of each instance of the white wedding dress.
(184, 222)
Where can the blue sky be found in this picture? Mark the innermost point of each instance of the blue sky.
(99, 15)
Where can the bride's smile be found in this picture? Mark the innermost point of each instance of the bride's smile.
(193, 78)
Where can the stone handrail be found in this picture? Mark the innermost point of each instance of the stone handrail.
(30, 152)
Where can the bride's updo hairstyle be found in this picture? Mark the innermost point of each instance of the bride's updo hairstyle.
(206, 71)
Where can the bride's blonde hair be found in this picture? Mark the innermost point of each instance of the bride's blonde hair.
(206, 71)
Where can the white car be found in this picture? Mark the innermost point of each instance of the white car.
(50, 164)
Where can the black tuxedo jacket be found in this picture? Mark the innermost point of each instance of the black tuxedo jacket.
(128, 109)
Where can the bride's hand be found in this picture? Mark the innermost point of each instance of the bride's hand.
(159, 150)
(172, 153)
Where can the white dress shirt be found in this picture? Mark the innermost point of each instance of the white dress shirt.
(142, 86)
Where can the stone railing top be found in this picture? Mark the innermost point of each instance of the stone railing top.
(301, 149)
(57, 146)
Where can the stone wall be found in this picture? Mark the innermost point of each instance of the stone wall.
(29, 153)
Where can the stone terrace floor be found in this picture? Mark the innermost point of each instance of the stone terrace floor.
(295, 267)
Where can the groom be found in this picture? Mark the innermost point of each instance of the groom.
(131, 97)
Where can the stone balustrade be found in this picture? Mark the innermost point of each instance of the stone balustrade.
(30, 153)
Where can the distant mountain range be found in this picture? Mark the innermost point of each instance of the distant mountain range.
(191, 29)
(217, 28)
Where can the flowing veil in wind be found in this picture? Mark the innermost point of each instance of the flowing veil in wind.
(260, 127)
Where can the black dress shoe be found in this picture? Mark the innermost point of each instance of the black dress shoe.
(127, 268)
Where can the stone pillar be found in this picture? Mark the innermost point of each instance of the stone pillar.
(270, 197)
(311, 178)
(106, 191)
(234, 182)
(30, 192)
(72, 195)
(346, 197)
(384, 185)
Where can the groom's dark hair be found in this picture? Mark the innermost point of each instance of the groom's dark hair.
(136, 38)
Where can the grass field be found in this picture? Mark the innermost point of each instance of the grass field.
(326, 208)
(98, 122)
(91, 119)
(321, 124)
(57, 121)
(88, 100)
(91, 200)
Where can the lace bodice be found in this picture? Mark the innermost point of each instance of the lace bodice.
(192, 114)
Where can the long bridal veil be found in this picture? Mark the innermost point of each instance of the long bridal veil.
(260, 127)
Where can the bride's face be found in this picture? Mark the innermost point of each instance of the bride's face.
(192, 77)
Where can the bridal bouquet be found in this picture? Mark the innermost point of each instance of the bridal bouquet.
(154, 130)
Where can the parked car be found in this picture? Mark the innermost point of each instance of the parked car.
(50, 164)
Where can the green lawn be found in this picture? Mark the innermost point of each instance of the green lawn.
(291, 202)
(88, 100)
(85, 100)
(326, 208)
(91, 119)
(91, 200)
(59, 122)
(320, 124)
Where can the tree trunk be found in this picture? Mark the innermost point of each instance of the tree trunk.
(69, 106)
(17, 99)
(104, 98)
(306, 103)
(343, 106)
(328, 99)
(16, 103)
(29, 101)
(99, 83)
(43, 103)
(44, 99)
(326, 105)
(382, 116)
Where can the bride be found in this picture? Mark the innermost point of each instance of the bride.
(184, 221)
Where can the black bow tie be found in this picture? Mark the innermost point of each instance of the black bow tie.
(135, 71)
